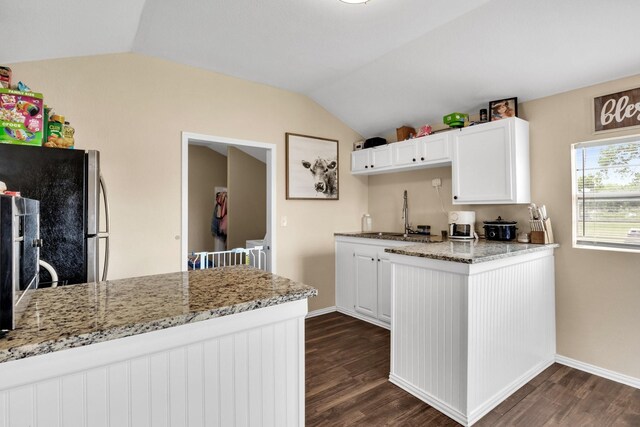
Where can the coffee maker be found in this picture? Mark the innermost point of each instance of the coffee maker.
(462, 224)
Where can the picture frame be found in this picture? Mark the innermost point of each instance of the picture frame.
(312, 165)
(503, 108)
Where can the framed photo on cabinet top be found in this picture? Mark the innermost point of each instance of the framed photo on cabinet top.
(312, 167)
(503, 108)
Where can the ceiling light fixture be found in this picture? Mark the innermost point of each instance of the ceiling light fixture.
(354, 1)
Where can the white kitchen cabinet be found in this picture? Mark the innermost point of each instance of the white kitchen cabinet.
(371, 159)
(426, 151)
(363, 278)
(490, 163)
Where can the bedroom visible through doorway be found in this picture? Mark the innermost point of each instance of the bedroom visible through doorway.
(228, 196)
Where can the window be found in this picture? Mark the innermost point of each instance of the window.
(606, 194)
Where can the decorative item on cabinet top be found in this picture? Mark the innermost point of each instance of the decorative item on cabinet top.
(503, 108)
(405, 132)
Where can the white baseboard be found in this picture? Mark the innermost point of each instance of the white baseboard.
(434, 402)
(601, 372)
(364, 318)
(321, 311)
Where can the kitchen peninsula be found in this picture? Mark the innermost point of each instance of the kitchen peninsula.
(471, 322)
(219, 346)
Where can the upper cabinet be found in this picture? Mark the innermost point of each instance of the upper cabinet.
(426, 151)
(490, 163)
(371, 160)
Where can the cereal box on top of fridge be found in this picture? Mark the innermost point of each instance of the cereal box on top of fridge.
(21, 117)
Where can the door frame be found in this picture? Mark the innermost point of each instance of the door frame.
(201, 139)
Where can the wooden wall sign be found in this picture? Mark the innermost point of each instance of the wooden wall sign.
(617, 110)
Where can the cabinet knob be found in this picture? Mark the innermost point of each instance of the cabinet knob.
(414, 160)
(365, 166)
(455, 197)
(371, 165)
(422, 158)
(372, 259)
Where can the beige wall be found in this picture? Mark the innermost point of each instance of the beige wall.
(597, 292)
(133, 109)
(247, 187)
(207, 170)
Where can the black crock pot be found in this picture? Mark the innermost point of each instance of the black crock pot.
(500, 229)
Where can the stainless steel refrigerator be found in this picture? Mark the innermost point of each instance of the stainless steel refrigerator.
(69, 187)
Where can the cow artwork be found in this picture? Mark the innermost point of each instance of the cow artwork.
(312, 168)
(324, 176)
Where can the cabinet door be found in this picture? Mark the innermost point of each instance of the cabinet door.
(482, 164)
(437, 147)
(381, 157)
(406, 153)
(365, 270)
(360, 160)
(384, 287)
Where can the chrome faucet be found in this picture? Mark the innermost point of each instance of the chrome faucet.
(405, 214)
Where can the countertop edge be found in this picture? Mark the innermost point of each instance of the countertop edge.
(75, 341)
(406, 251)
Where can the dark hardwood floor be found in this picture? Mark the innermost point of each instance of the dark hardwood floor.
(347, 369)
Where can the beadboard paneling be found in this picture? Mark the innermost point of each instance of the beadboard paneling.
(429, 331)
(247, 377)
(465, 337)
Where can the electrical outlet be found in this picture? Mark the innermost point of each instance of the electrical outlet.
(283, 221)
(436, 182)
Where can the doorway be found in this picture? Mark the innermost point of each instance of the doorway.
(260, 150)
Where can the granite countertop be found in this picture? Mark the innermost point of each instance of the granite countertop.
(73, 316)
(463, 251)
(385, 235)
(469, 252)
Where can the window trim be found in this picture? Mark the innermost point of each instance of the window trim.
(574, 194)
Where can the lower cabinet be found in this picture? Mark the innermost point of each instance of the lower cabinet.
(363, 278)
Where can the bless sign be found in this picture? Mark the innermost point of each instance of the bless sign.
(617, 110)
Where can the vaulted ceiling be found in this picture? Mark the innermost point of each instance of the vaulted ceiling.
(376, 66)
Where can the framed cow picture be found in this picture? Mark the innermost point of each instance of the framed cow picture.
(312, 167)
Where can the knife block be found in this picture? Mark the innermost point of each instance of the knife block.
(543, 237)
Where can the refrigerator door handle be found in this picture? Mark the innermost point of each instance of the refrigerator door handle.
(105, 234)
(93, 259)
(93, 201)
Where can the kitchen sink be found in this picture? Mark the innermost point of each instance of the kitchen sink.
(419, 238)
(383, 233)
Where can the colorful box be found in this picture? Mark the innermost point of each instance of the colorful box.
(21, 117)
(455, 120)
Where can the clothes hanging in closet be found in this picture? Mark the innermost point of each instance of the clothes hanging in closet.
(219, 220)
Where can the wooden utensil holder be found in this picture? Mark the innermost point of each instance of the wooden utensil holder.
(543, 237)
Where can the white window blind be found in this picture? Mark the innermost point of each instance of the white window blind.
(606, 200)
